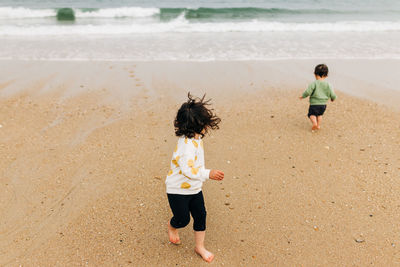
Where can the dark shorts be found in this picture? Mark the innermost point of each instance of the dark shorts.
(184, 205)
(316, 110)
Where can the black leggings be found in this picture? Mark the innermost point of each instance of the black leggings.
(183, 205)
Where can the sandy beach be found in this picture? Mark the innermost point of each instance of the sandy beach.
(86, 146)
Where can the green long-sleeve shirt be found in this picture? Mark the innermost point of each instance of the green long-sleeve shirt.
(320, 92)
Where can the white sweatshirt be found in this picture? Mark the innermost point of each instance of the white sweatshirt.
(187, 172)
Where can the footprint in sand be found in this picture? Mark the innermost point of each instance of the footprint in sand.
(132, 73)
(138, 82)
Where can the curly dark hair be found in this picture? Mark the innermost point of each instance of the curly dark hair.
(193, 117)
(321, 70)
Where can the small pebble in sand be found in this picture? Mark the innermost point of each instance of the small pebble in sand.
(1, 126)
(316, 228)
(227, 195)
(227, 203)
(359, 240)
(327, 147)
(228, 161)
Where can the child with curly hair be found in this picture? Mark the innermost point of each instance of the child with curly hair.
(187, 174)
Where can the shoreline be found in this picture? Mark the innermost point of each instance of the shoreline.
(365, 78)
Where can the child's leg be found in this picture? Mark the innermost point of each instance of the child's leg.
(200, 249)
(319, 120)
(173, 235)
(199, 226)
(314, 122)
(180, 208)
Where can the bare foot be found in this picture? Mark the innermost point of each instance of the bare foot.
(173, 235)
(318, 127)
(314, 127)
(205, 254)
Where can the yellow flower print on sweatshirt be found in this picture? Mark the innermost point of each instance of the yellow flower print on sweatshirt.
(195, 170)
(195, 144)
(185, 185)
(175, 161)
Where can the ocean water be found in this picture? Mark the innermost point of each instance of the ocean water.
(200, 30)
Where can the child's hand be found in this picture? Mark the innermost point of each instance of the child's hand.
(216, 175)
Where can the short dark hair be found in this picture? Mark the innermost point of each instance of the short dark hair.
(321, 70)
(193, 117)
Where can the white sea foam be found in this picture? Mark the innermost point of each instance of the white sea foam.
(203, 46)
(181, 25)
(25, 13)
(123, 12)
(135, 12)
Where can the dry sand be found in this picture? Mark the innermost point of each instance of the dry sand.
(85, 147)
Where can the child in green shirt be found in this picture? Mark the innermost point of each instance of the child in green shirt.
(320, 91)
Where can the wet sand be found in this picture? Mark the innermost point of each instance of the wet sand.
(85, 148)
